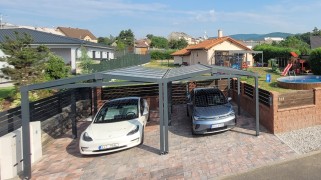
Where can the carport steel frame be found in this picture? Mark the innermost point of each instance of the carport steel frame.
(132, 75)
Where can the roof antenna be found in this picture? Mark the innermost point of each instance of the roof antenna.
(205, 35)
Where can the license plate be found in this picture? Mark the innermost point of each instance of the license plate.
(108, 146)
(217, 125)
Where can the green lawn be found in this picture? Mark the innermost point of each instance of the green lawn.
(262, 71)
(5, 91)
(165, 64)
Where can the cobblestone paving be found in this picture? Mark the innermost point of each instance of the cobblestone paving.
(190, 157)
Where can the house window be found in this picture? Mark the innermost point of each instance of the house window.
(94, 54)
(108, 55)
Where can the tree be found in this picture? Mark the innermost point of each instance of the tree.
(27, 62)
(56, 68)
(106, 40)
(295, 43)
(159, 42)
(149, 36)
(177, 44)
(85, 61)
(126, 37)
(315, 61)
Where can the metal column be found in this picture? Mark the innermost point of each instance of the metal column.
(73, 114)
(95, 101)
(170, 102)
(25, 116)
(238, 96)
(166, 117)
(257, 109)
(163, 118)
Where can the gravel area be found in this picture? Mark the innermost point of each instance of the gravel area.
(303, 140)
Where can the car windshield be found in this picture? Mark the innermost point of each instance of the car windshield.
(118, 110)
(209, 97)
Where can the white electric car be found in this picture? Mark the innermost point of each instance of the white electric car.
(118, 125)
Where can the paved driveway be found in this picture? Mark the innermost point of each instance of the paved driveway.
(190, 157)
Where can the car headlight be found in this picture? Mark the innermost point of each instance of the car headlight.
(133, 131)
(86, 137)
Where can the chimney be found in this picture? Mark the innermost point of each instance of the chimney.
(220, 33)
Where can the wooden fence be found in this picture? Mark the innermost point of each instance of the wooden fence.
(295, 99)
(40, 110)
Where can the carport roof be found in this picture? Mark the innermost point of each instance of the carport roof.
(146, 74)
(142, 72)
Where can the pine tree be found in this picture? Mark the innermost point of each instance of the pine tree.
(27, 63)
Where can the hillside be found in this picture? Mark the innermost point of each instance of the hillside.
(258, 37)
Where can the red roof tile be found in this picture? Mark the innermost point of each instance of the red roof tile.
(77, 33)
(207, 44)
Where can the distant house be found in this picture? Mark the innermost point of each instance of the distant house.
(315, 42)
(222, 51)
(141, 46)
(68, 48)
(82, 34)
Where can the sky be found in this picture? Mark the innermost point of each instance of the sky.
(160, 18)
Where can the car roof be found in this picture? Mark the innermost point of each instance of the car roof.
(206, 90)
(123, 99)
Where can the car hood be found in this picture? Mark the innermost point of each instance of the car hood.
(212, 111)
(99, 131)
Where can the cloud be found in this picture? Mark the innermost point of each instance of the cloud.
(79, 9)
(209, 16)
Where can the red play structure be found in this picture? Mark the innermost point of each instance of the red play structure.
(286, 70)
(298, 66)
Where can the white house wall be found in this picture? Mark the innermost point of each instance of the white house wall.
(64, 53)
(199, 56)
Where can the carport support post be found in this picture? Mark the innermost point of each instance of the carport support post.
(238, 96)
(161, 117)
(166, 116)
(257, 109)
(25, 116)
(73, 114)
(95, 100)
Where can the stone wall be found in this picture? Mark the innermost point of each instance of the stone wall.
(59, 124)
(277, 120)
(248, 105)
(288, 119)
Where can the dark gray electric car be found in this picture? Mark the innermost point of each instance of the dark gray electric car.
(210, 111)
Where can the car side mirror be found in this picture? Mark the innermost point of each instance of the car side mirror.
(90, 118)
(229, 99)
(145, 111)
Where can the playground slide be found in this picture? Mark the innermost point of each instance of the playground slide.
(286, 70)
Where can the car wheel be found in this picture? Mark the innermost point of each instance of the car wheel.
(142, 138)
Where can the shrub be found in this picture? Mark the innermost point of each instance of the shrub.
(315, 61)
(271, 52)
(159, 55)
(56, 68)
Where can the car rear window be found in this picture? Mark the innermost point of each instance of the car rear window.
(119, 110)
(209, 97)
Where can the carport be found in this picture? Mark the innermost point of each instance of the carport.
(133, 75)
